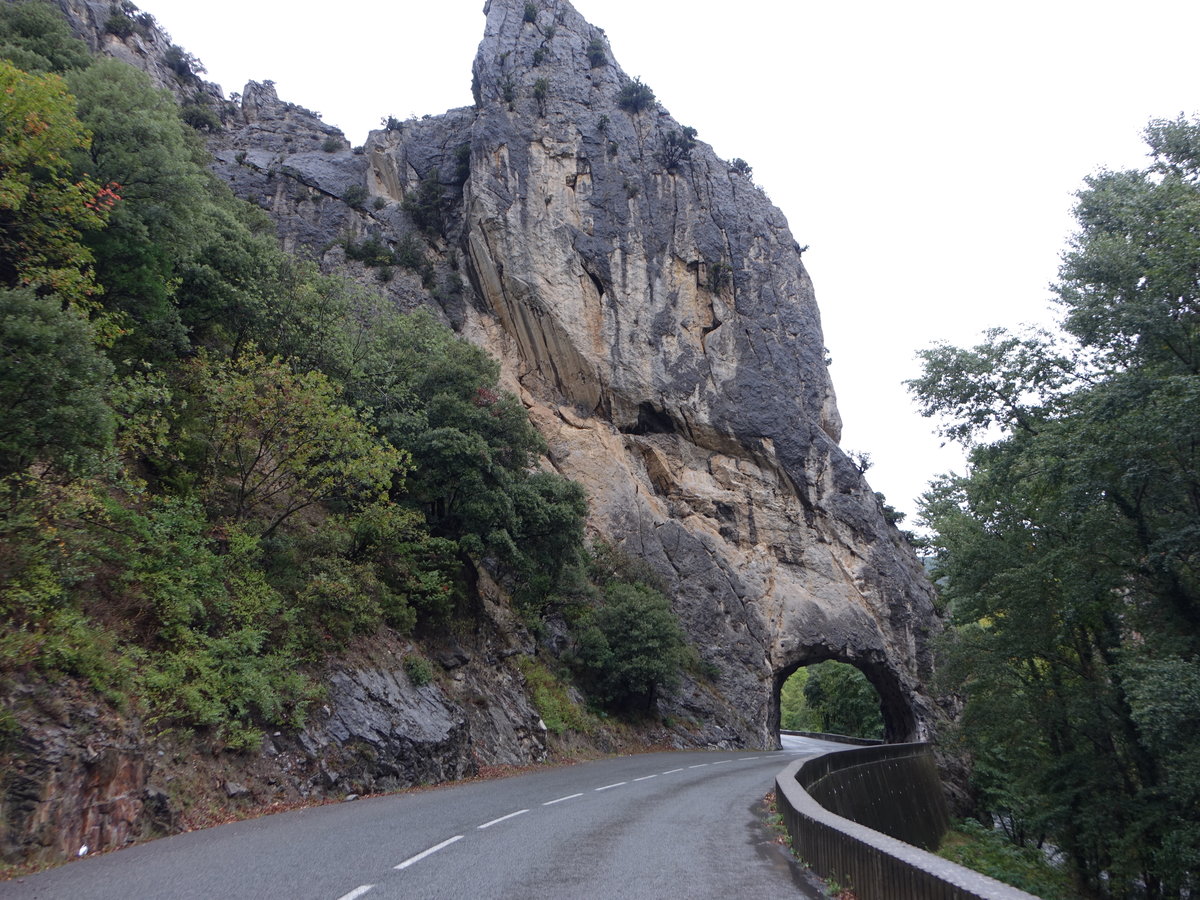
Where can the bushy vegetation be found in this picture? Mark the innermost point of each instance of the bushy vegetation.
(596, 54)
(1068, 553)
(635, 96)
(832, 697)
(218, 465)
(988, 851)
(677, 147)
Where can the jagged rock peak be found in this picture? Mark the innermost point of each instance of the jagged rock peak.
(693, 272)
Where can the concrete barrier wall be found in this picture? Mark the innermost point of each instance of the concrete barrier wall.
(881, 785)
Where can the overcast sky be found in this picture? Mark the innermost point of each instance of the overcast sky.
(927, 152)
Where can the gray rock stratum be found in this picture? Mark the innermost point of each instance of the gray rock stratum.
(650, 306)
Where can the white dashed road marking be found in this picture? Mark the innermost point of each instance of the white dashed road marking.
(424, 853)
(607, 786)
(561, 799)
(356, 893)
(645, 778)
(502, 819)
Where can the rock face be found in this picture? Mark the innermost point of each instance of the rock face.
(651, 308)
(655, 306)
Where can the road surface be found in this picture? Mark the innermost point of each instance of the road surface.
(647, 826)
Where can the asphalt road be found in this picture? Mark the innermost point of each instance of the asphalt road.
(658, 825)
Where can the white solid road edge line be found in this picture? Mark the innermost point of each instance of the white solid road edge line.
(424, 853)
(561, 799)
(356, 893)
(607, 786)
(501, 819)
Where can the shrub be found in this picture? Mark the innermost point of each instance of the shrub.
(539, 55)
(595, 53)
(462, 162)
(541, 90)
(635, 96)
(379, 203)
(391, 123)
(183, 64)
(677, 147)
(632, 646)
(418, 670)
(119, 24)
(739, 165)
(553, 702)
(332, 144)
(355, 196)
(988, 851)
(202, 118)
(530, 12)
(427, 205)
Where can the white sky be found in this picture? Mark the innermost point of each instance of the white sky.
(927, 151)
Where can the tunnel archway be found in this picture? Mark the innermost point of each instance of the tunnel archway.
(899, 719)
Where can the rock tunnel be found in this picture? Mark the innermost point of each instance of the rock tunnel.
(899, 718)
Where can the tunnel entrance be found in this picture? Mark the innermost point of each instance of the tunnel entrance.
(858, 698)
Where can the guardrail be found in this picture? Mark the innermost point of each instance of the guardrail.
(894, 787)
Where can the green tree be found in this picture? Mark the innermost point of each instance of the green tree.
(35, 37)
(794, 712)
(53, 385)
(1069, 551)
(273, 442)
(139, 144)
(44, 208)
(843, 699)
(632, 646)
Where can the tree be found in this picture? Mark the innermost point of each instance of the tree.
(1069, 553)
(632, 646)
(140, 143)
(843, 700)
(53, 385)
(44, 208)
(35, 37)
(274, 442)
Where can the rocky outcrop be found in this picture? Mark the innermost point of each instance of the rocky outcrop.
(655, 308)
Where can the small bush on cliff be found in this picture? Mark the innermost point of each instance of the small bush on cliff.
(530, 14)
(635, 96)
(630, 646)
(677, 147)
(418, 670)
(739, 165)
(595, 53)
(427, 204)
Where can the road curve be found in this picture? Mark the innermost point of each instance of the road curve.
(646, 826)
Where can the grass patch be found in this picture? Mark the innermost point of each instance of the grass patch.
(553, 702)
(985, 850)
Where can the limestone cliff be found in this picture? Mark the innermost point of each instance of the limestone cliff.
(651, 308)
